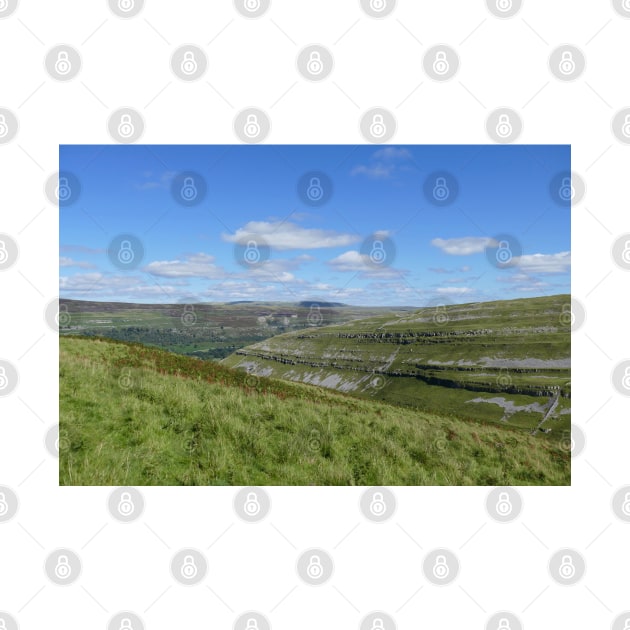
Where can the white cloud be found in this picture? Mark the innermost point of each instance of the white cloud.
(376, 171)
(285, 236)
(193, 266)
(354, 261)
(98, 286)
(383, 164)
(348, 261)
(65, 261)
(463, 246)
(392, 153)
(454, 290)
(162, 181)
(545, 263)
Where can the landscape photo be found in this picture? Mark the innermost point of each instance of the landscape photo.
(366, 315)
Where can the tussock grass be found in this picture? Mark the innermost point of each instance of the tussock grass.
(131, 415)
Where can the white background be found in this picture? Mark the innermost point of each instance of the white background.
(252, 63)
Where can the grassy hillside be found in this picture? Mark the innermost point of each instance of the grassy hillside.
(506, 362)
(134, 415)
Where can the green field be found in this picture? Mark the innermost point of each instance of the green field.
(505, 362)
(136, 415)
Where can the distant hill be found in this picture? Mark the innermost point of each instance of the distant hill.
(210, 330)
(135, 415)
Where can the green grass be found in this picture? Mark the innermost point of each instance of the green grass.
(135, 415)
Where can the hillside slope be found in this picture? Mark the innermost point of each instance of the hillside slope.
(506, 362)
(134, 415)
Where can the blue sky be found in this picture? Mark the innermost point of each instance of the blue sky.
(438, 248)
